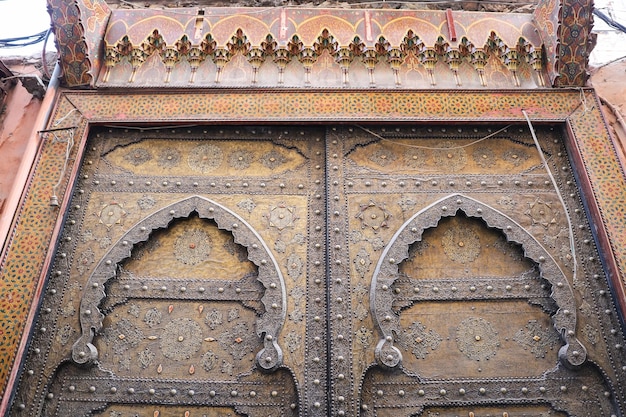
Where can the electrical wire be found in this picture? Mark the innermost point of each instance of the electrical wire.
(44, 62)
(22, 41)
(572, 245)
(609, 21)
(431, 147)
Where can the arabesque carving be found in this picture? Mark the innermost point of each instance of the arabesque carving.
(572, 354)
(512, 56)
(268, 325)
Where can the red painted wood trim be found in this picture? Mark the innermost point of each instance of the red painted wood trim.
(597, 226)
(451, 28)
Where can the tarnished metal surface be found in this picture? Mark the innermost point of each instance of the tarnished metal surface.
(345, 271)
(178, 256)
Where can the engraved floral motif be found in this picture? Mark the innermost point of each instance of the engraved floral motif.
(363, 337)
(407, 204)
(68, 309)
(282, 216)
(213, 318)
(450, 156)
(292, 341)
(169, 158)
(205, 158)
(585, 309)
(111, 213)
(146, 202)
(65, 333)
(536, 338)
(477, 339)
(298, 239)
(226, 368)
(419, 340)
(181, 338)
(280, 246)
(373, 215)
(122, 336)
(134, 310)
(233, 314)
(297, 293)
(356, 236)
(152, 317)
(361, 311)
(362, 262)
(85, 260)
(124, 363)
(541, 213)
(377, 243)
(193, 247)
(237, 340)
(296, 315)
(382, 157)
(104, 242)
(507, 201)
(87, 235)
(591, 334)
(209, 359)
(247, 204)
(515, 156)
(461, 245)
(273, 159)
(145, 357)
(138, 156)
(360, 290)
(240, 159)
(484, 157)
(294, 266)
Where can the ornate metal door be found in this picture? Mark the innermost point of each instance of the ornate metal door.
(269, 271)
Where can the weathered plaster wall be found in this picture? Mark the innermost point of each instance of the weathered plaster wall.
(609, 82)
(16, 125)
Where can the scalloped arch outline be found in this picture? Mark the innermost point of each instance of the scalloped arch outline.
(274, 298)
(572, 354)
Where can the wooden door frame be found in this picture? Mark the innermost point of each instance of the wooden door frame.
(31, 244)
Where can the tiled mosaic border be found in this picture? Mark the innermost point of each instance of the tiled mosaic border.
(24, 263)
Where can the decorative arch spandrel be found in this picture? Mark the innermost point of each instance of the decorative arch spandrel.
(268, 325)
(572, 354)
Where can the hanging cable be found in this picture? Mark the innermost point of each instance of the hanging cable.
(431, 147)
(609, 21)
(21, 41)
(558, 193)
(44, 62)
(54, 199)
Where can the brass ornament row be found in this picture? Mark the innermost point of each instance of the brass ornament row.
(268, 325)
(511, 56)
(573, 354)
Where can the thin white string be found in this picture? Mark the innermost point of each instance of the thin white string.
(68, 150)
(429, 147)
(583, 99)
(558, 193)
(58, 122)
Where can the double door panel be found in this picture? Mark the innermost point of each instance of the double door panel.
(270, 271)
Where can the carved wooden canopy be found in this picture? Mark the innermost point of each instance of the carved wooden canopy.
(300, 47)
